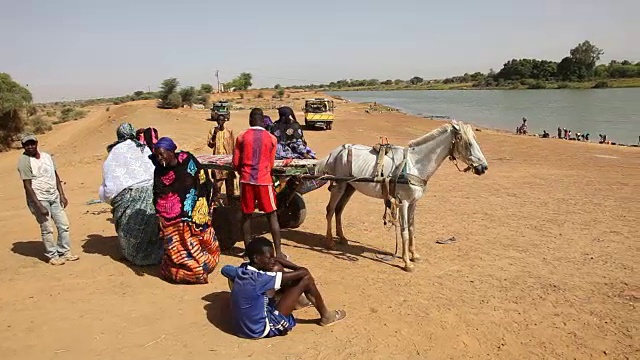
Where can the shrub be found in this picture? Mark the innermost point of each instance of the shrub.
(601, 85)
(563, 85)
(241, 95)
(38, 125)
(13, 101)
(69, 113)
(174, 101)
(50, 113)
(188, 94)
(538, 85)
(259, 95)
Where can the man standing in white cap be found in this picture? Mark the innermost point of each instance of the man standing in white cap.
(46, 199)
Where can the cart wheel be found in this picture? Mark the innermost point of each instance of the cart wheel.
(328, 126)
(227, 223)
(293, 215)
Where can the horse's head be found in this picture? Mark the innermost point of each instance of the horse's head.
(465, 148)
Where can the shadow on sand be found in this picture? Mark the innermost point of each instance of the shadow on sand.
(109, 246)
(218, 309)
(354, 251)
(32, 248)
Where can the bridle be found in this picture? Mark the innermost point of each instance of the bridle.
(453, 158)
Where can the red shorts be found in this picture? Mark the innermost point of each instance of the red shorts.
(264, 195)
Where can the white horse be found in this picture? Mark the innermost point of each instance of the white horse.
(422, 158)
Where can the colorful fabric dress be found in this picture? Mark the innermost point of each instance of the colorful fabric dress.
(291, 143)
(181, 197)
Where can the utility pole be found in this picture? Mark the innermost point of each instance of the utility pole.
(218, 80)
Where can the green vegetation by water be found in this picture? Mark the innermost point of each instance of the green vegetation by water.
(578, 70)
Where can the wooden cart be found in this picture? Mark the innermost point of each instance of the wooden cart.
(227, 219)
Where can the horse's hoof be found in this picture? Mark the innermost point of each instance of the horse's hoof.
(417, 259)
(409, 268)
(343, 241)
(330, 245)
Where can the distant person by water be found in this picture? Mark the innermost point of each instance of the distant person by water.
(559, 132)
(522, 129)
(545, 134)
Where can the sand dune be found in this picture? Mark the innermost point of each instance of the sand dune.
(547, 247)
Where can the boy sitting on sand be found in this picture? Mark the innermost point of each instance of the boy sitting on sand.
(255, 313)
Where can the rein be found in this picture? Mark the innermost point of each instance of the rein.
(454, 160)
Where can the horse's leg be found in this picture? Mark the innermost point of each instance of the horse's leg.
(404, 232)
(336, 193)
(344, 199)
(412, 230)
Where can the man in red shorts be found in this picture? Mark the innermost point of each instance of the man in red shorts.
(253, 157)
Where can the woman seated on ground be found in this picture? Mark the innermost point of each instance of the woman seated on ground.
(181, 194)
(128, 187)
(291, 142)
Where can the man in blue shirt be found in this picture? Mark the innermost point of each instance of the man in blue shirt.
(255, 313)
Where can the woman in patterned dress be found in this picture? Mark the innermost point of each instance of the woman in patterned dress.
(181, 194)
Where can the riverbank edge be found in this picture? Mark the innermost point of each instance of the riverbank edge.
(476, 127)
(548, 85)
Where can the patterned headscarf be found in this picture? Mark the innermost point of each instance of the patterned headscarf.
(126, 132)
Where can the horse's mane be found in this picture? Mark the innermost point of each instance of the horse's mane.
(465, 130)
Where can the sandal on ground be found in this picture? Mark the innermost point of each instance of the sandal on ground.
(337, 315)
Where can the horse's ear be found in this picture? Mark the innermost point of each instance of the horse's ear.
(455, 125)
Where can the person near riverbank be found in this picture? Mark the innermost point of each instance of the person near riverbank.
(181, 195)
(46, 199)
(291, 141)
(255, 313)
(221, 140)
(559, 132)
(253, 158)
(522, 129)
(127, 186)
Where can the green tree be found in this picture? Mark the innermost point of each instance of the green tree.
(187, 95)
(278, 86)
(206, 88)
(416, 80)
(279, 93)
(242, 82)
(14, 99)
(586, 55)
(138, 94)
(168, 87)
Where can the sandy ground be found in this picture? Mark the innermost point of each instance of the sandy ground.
(546, 263)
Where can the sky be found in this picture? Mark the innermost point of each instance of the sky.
(77, 49)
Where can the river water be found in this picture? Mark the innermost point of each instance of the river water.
(614, 112)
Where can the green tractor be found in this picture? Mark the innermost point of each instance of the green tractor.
(221, 108)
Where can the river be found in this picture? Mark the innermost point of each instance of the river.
(614, 112)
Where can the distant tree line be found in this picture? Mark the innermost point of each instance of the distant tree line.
(580, 65)
(172, 98)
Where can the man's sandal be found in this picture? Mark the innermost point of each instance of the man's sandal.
(337, 315)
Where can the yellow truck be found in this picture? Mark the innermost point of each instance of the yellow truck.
(318, 112)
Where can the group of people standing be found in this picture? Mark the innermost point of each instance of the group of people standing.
(161, 198)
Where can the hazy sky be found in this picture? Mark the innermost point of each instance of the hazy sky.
(66, 49)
